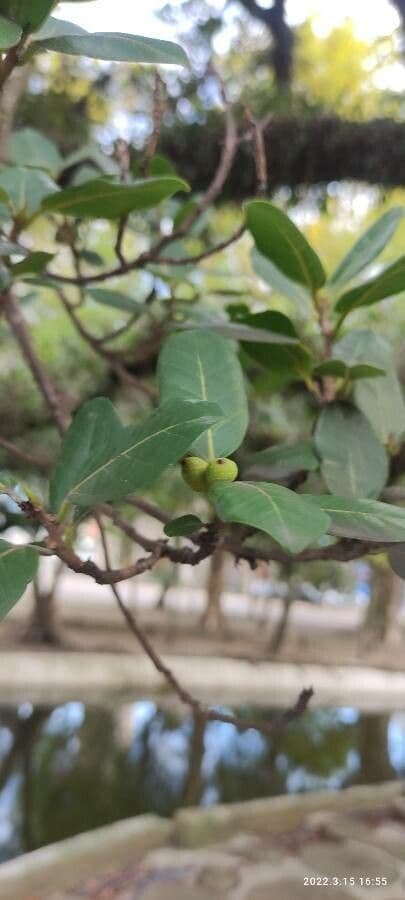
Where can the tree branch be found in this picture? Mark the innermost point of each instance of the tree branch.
(57, 403)
(37, 462)
(200, 711)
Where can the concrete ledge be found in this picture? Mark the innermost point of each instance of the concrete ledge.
(198, 826)
(60, 865)
(62, 676)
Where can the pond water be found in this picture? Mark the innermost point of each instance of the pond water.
(72, 767)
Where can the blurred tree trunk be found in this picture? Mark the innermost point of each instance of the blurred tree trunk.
(280, 630)
(212, 614)
(43, 627)
(375, 765)
(274, 19)
(381, 623)
(12, 92)
(193, 785)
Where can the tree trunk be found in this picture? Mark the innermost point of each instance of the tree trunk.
(280, 630)
(43, 627)
(193, 784)
(380, 624)
(375, 765)
(212, 614)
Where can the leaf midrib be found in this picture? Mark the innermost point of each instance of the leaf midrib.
(114, 189)
(122, 453)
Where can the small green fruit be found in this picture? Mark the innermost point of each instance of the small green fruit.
(221, 470)
(193, 470)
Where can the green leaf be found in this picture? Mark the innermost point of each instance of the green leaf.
(396, 559)
(280, 241)
(365, 520)
(332, 367)
(18, 566)
(32, 264)
(368, 247)
(291, 358)
(5, 277)
(160, 165)
(277, 281)
(26, 189)
(199, 365)
(365, 371)
(30, 148)
(103, 199)
(114, 299)
(57, 28)
(243, 331)
(91, 258)
(338, 369)
(117, 47)
(10, 33)
(354, 462)
(390, 282)
(29, 13)
(183, 526)
(281, 513)
(101, 460)
(380, 399)
(284, 459)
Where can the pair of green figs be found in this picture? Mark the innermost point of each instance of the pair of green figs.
(200, 475)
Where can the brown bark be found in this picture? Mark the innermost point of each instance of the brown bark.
(278, 635)
(212, 614)
(193, 785)
(380, 624)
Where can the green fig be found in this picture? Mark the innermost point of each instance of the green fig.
(193, 470)
(221, 470)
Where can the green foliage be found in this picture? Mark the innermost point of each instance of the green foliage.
(396, 558)
(199, 365)
(278, 239)
(29, 147)
(380, 399)
(391, 281)
(130, 48)
(281, 461)
(32, 264)
(101, 460)
(365, 520)
(287, 518)
(28, 13)
(226, 352)
(343, 436)
(10, 33)
(25, 189)
(18, 565)
(102, 199)
(368, 247)
(183, 526)
(278, 281)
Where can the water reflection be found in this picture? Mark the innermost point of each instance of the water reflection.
(74, 767)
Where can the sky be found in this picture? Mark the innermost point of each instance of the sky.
(372, 18)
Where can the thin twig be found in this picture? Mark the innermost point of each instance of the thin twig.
(56, 402)
(198, 708)
(110, 357)
(157, 118)
(29, 459)
(208, 198)
(149, 508)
